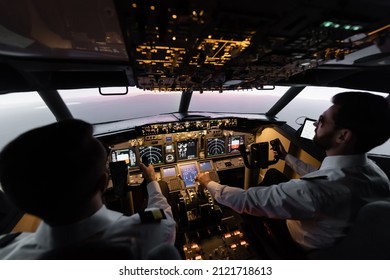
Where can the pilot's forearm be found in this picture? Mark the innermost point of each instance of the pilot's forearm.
(300, 167)
(156, 199)
(277, 202)
(228, 196)
(243, 201)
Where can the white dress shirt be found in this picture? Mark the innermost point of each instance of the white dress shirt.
(320, 206)
(107, 224)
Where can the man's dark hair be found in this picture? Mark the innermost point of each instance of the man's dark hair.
(52, 168)
(367, 115)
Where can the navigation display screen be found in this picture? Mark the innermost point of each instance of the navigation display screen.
(128, 155)
(151, 154)
(234, 143)
(188, 173)
(215, 146)
(187, 150)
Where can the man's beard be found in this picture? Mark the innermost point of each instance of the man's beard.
(325, 141)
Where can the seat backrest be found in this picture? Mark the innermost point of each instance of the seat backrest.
(368, 238)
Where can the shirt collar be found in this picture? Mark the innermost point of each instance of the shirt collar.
(51, 237)
(343, 161)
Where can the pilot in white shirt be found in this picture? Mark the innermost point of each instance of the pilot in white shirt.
(320, 206)
(105, 224)
(65, 192)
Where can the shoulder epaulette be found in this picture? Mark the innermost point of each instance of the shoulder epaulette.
(152, 216)
(8, 238)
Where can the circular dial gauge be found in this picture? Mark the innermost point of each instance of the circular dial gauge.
(169, 158)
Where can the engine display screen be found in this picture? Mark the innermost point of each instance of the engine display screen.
(187, 149)
(234, 142)
(188, 173)
(168, 171)
(215, 146)
(128, 155)
(151, 154)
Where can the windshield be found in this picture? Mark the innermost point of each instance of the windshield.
(89, 105)
(244, 101)
(20, 112)
(23, 111)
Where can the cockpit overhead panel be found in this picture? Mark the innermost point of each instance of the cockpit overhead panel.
(178, 45)
(225, 45)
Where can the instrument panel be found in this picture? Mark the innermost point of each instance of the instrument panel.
(205, 229)
(180, 156)
(178, 147)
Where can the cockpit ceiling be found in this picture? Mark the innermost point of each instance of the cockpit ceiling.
(219, 45)
(197, 45)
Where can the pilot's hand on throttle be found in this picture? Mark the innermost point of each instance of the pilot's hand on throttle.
(203, 179)
(148, 172)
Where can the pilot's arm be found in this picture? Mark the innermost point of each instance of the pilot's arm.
(156, 200)
(300, 167)
(282, 201)
(155, 197)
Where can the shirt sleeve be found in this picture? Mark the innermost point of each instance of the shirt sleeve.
(167, 227)
(300, 167)
(156, 199)
(290, 200)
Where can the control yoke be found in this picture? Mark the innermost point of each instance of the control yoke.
(258, 154)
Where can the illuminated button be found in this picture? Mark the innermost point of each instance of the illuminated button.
(233, 246)
(198, 257)
(227, 235)
(237, 232)
(243, 243)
